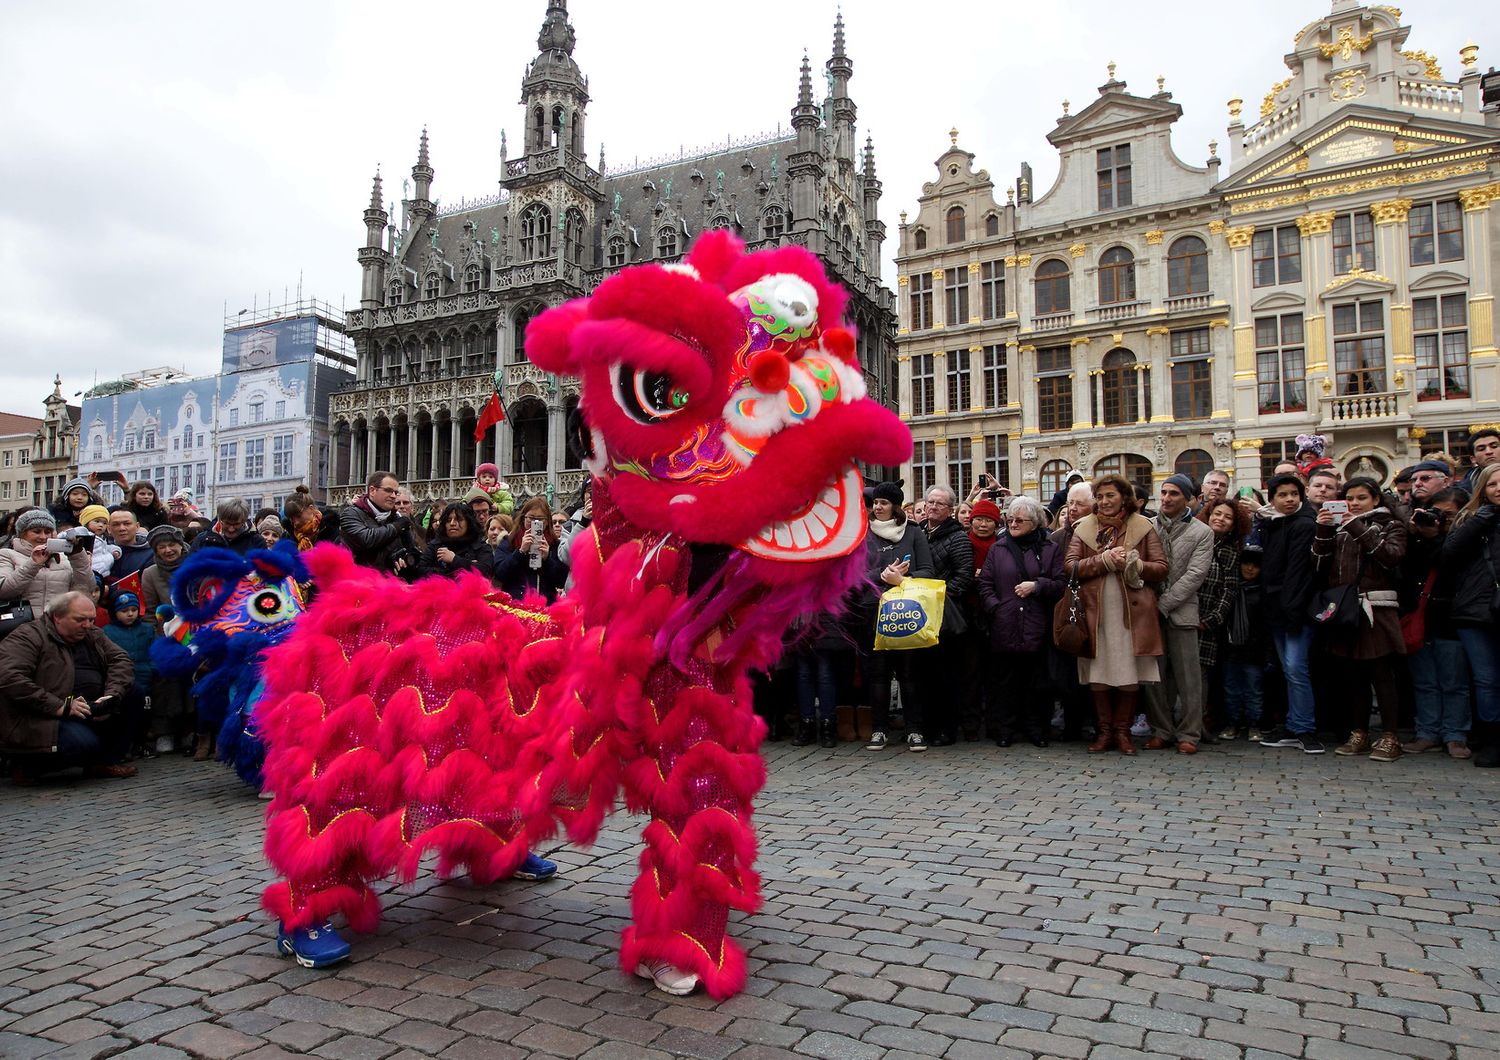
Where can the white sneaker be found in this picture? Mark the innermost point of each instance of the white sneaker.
(1142, 727)
(877, 742)
(266, 794)
(165, 745)
(914, 742)
(668, 980)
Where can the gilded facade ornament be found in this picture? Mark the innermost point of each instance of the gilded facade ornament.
(1356, 274)
(1081, 340)
(973, 266)
(1346, 86)
(1154, 237)
(1010, 261)
(1400, 145)
(902, 281)
(1239, 235)
(1268, 105)
(1157, 329)
(1234, 110)
(1077, 250)
(1391, 211)
(937, 274)
(1345, 45)
(1247, 443)
(1469, 56)
(1433, 72)
(1479, 198)
(1316, 224)
(1300, 166)
(1222, 322)
(1023, 261)
(1215, 227)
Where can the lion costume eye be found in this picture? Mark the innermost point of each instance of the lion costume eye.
(648, 396)
(268, 605)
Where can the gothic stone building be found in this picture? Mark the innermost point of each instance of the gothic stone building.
(447, 293)
(1146, 315)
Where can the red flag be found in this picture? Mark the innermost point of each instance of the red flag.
(492, 414)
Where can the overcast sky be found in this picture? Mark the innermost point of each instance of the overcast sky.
(163, 159)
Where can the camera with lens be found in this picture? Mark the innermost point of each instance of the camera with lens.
(1429, 517)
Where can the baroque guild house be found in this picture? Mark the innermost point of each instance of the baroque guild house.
(447, 292)
(1146, 315)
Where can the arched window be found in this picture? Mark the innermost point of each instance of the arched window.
(1194, 463)
(558, 120)
(1187, 267)
(719, 222)
(1120, 392)
(666, 242)
(1135, 468)
(394, 292)
(571, 459)
(1053, 474)
(1116, 276)
(846, 235)
(575, 133)
(919, 239)
(573, 236)
(992, 224)
(956, 224)
(773, 223)
(432, 286)
(1052, 289)
(528, 432)
(523, 317)
(536, 232)
(472, 279)
(538, 130)
(617, 257)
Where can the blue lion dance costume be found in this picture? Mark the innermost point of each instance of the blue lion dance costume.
(227, 609)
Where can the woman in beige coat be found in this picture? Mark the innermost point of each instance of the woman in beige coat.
(1117, 557)
(29, 572)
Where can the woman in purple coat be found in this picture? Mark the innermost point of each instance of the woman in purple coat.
(1020, 581)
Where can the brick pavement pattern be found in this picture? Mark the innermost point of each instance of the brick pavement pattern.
(968, 902)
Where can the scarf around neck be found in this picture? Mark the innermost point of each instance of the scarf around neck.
(887, 529)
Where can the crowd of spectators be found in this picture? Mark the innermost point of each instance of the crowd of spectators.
(117, 562)
(1321, 608)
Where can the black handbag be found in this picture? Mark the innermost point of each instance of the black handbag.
(1237, 626)
(1336, 611)
(14, 615)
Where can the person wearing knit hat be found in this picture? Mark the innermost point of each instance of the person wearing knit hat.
(889, 491)
(1189, 545)
(95, 519)
(487, 481)
(36, 519)
(271, 530)
(75, 495)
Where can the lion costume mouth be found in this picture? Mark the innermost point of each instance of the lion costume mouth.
(830, 526)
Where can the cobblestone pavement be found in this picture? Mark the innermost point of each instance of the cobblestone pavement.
(966, 902)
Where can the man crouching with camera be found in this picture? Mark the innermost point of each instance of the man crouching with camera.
(378, 535)
(1438, 668)
(62, 687)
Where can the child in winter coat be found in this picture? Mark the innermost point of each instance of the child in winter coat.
(1246, 649)
(134, 636)
(95, 519)
(487, 481)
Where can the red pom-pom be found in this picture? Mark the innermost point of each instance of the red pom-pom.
(840, 343)
(769, 372)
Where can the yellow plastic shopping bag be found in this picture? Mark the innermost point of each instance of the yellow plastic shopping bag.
(911, 614)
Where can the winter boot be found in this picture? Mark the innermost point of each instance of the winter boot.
(804, 734)
(1104, 727)
(827, 733)
(1125, 702)
(1485, 742)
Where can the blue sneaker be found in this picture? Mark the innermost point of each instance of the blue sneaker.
(535, 868)
(314, 947)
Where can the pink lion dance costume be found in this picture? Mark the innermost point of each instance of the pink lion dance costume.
(725, 410)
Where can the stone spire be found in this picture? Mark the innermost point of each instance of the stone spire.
(805, 113)
(377, 200)
(557, 32)
(841, 109)
(874, 226)
(421, 175)
(371, 255)
(869, 160)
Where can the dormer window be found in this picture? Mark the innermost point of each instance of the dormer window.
(956, 224)
(666, 243)
(992, 224)
(432, 286)
(472, 280)
(773, 224)
(919, 239)
(616, 253)
(393, 294)
(1114, 177)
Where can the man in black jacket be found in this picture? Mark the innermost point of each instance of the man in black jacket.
(1439, 670)
(953, 562)
(375, 532)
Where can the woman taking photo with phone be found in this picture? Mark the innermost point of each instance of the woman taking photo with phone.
(526, 561)
(39, 566)
(1364, 550)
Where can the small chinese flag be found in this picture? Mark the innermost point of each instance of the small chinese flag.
(493, 412)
